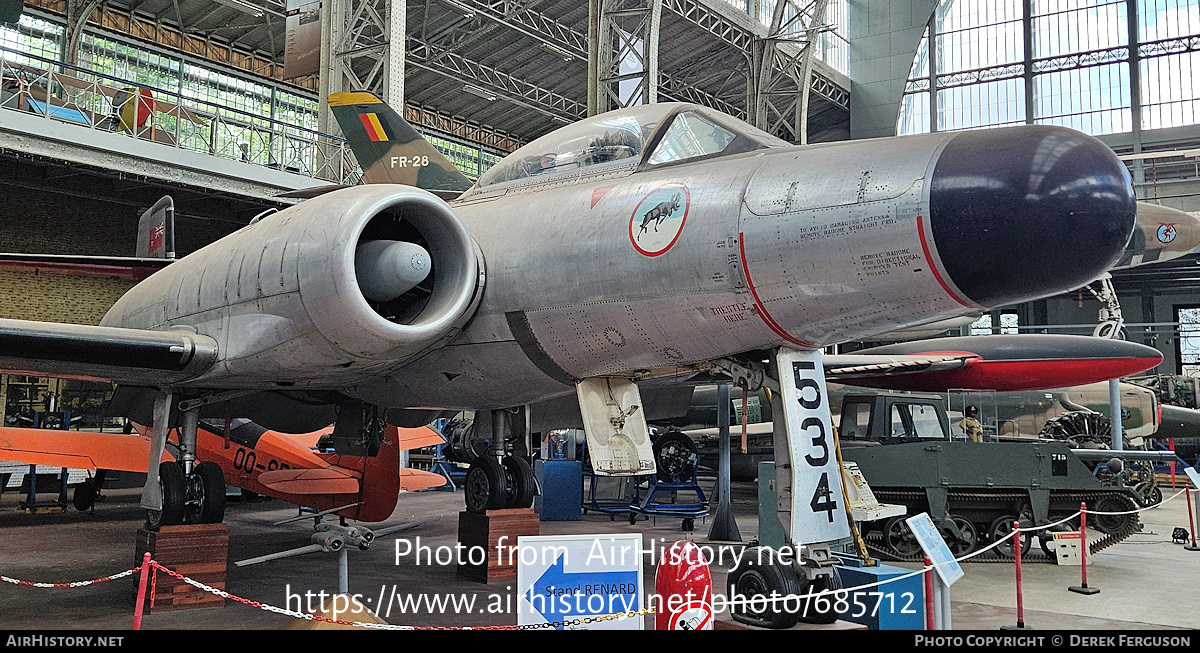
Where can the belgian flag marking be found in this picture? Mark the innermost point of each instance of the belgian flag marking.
(374, 128)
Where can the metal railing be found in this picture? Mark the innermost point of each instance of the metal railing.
(85, 97)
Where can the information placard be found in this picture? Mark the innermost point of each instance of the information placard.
(935, 547)
(564, 579)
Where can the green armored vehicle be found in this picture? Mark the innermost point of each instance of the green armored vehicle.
(973, 490)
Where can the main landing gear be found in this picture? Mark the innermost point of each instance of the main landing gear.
(196, 498)
(191, 492)
(497, 479)
(498, 484)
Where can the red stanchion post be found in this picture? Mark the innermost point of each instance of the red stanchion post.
(1191, 521)
(929, 625)
(1172, 464)
(141, 595)
(1083, 588)
(1016, 535)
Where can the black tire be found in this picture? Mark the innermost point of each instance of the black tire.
(1047, 544)
(1002, 528)
(689, 525)
(970, 540)
(760, 578)
(207, 485)
(829, 615)
(84, 496)
(632, 518)
(173, 484)
(486, 488)
(899, 539)
(675, 456)
(519, 481)
(1156, 496)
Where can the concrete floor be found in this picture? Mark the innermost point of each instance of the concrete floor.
(1145, 581)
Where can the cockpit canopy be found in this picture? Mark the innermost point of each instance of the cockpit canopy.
(621, 138)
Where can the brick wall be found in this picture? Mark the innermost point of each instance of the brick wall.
(55, 297)
(36, 224)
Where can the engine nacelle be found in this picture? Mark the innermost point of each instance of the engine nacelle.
(283, 299)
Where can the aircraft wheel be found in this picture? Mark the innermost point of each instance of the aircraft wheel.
(1110, 329)
(519, 481)
(813, 614)
(84, 496)
(486, 488)
(172, 482)
(1001, 529)
(689, 525)
(206, 494)
(756, 580)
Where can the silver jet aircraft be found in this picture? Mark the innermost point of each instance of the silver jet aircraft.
(627, 250)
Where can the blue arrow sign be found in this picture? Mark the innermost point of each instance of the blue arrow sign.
(557, 593)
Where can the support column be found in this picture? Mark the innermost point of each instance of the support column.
(620, 31)
(781, 78)
(1135, 89)
(1027, 23)
(77, 15)
(1114, 403)
(724, 527)
(362, 48)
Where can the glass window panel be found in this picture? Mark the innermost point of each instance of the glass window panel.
(914, 114)
(856, 420)
(1062, 27)
(1093, 100)
(1189, 340)
(925, 421)
(1169, 93)
(1167, 19)
(982, 105)
(691, 136)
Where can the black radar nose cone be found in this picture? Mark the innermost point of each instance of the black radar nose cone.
(1027, 212)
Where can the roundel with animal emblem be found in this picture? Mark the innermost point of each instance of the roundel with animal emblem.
(658, 220)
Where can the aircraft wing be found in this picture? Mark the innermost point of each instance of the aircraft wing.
(995, 362)
(76, 449)
(111, 267)
(416, 479)
(309, 481)
(131, 356)
(418, 438)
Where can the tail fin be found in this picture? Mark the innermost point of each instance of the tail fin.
(389, 149)
(380, 485)
(156, 231)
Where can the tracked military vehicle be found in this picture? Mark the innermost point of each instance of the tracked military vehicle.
(974, 491)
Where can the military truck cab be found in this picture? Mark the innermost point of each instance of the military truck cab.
(893, 418)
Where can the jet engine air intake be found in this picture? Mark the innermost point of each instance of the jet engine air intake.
(412, 266)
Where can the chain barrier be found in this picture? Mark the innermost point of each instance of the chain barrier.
(79, 583)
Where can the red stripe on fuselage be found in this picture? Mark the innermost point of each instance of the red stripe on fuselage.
(758, 304)
(933, 268)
